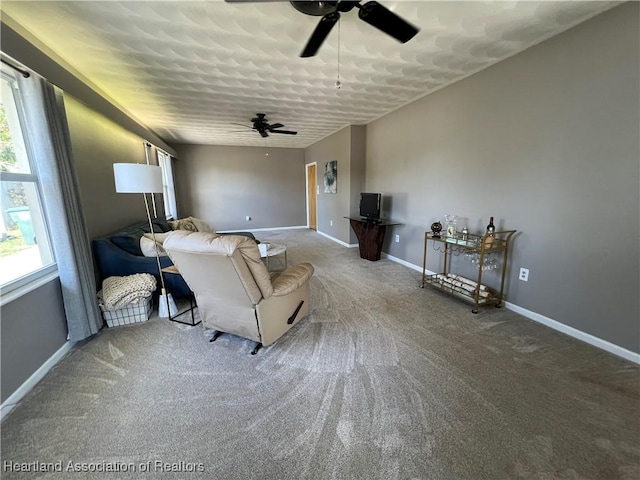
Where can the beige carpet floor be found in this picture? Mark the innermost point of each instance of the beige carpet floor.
(383, 380)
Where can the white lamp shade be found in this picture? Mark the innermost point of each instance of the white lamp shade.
(137, 178)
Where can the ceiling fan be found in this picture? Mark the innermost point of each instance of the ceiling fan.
(261, 125)
(371, 12)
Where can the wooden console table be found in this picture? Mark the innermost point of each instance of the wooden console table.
(370, 236)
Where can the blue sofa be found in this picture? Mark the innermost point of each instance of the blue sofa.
(119, 254)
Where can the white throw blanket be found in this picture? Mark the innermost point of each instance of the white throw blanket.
(118, 292)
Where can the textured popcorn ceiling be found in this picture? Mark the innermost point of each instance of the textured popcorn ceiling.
(188, 70)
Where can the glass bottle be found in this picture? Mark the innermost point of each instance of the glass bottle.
(491, 229)
(489, 237)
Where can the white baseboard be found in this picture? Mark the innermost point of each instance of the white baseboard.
(344, 244)
(548, 322)
(403, 262)
(33, 380)
(575, 333)
(263, 229)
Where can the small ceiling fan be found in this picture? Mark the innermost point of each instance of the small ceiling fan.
(371, 12)
(261, 125)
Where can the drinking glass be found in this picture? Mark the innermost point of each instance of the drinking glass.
(452, 220)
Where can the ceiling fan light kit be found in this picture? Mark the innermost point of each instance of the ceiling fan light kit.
(316, 9)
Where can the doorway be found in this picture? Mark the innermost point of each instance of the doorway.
(312, 192)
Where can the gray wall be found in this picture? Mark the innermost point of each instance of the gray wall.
(34, 325)
(33, 329)
(357, 171)
(332, 207)
(547, 142)
(347, 146)
(222, 185)
(97, 144)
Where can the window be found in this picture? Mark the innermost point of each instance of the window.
(25, 251)
(168, 189)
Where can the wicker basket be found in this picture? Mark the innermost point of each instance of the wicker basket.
(132, 313)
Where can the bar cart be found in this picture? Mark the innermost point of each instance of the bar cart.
(477, 247)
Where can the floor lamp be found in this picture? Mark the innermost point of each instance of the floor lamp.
(140, 178)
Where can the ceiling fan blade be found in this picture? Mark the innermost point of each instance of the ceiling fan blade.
(385, 20)
(286, 132)
(275, 125)
(263, 133)
(240, 125)
(320, 34)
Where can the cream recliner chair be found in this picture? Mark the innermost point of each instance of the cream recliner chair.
(234, 291)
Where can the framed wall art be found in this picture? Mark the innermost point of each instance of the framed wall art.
(331, 177)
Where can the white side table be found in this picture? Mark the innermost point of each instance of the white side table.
(271, 250)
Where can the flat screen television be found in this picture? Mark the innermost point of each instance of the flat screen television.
(370, 206)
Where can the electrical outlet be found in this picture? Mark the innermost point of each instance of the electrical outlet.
(397, 238)
(331, 223)
(247, 218)
(524, 274)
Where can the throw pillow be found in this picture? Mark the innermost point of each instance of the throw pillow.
(161, 224)
(160, 237)
(191, 224)
(184, 224)
(148, 248)
(201, 225)
(128, 243)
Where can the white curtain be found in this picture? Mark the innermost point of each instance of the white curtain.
(48, 130)
(169, 192)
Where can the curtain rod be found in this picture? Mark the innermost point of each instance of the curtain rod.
(149, 145)
(24, 73)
